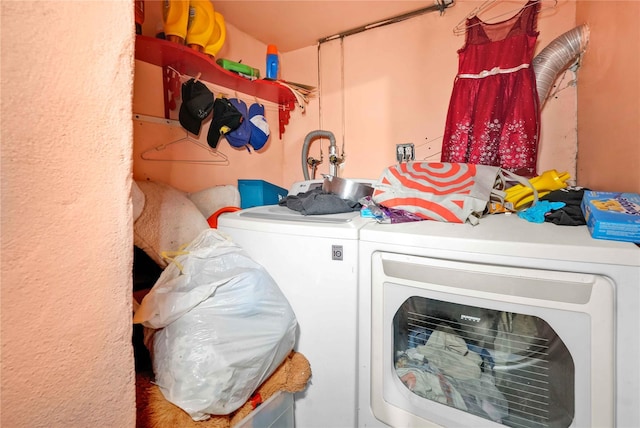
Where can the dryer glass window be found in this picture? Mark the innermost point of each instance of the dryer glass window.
(507, 367)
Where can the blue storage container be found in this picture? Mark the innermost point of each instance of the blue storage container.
(254, 193)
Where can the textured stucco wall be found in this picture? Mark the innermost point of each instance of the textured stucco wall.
(67, 72)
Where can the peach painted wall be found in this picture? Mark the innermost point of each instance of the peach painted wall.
(394, 83)
(67, 72)
(609, 97)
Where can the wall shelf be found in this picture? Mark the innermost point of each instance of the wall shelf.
(187, 61)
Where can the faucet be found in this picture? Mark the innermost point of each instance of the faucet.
(313, 164)
(334, 159)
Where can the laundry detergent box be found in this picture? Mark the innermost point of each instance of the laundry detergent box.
(611, 215)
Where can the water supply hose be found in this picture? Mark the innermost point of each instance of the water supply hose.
(305, 147)
(556, 57)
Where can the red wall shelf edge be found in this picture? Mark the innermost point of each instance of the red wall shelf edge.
(189, 62)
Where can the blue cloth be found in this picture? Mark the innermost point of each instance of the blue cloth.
(418, 337)
(536, 213)
(487, 359)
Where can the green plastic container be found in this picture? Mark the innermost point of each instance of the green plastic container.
(239, 68)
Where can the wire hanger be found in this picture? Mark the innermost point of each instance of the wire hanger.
(216, 156)
(461, 27)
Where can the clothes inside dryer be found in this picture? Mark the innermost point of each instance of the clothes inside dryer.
(507, 367)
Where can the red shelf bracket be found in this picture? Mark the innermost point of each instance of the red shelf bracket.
(283, 119)
(171, 88)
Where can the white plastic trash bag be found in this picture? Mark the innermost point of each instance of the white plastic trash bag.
(222, 327)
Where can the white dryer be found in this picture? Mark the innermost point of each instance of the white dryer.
(314, 261)
(548, 315)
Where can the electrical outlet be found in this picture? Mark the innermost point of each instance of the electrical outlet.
(405, 152)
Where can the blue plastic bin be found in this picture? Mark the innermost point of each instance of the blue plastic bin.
(254, 193)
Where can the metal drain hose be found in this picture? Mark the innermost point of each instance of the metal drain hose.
(556, 57)
(305, 147)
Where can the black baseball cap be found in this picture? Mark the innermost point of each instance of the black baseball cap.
(226, 118)
(197, 104)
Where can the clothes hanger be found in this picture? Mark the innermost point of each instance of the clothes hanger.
(217, 156)
(461, 27)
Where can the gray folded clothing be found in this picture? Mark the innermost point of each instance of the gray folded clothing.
(316, 201)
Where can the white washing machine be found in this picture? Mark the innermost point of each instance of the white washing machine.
(314, 261)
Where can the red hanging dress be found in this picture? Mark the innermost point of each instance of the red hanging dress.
(493, 116)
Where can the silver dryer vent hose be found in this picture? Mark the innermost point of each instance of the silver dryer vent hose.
(556, 57)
